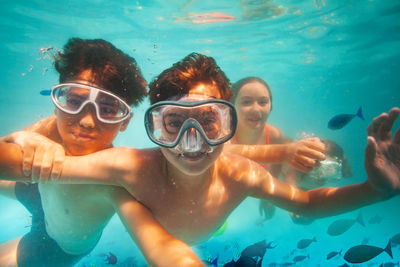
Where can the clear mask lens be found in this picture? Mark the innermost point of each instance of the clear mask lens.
(72, 98)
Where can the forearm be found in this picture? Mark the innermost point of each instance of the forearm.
(11, 163)
(172, 252)
(157, 245)
(259, 153)
(96, 168)
(331, 201)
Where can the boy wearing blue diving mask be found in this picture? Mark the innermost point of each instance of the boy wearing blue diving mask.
(190, 184)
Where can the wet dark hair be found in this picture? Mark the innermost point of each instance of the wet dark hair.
(187, 73)
(239, 84)
(111, 68)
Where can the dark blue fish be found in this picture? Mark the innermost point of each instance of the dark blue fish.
(333, 254)
(111, 259)
(376, 219)
(305, 242)
(339, 121)
(363, 253)
(244, 261)
(257, 249)
(340, 226)
(45, 92)
(287, 264)
(300, 258)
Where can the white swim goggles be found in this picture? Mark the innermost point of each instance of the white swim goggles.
(71, 98)
(168, 122)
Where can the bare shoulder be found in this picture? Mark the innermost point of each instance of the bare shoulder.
(132, 163)
(132, 157)
(46, 127)
(274, 132)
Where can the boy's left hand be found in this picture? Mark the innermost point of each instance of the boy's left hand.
(382, 155)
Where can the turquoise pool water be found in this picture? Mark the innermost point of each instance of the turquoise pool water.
(320, 57)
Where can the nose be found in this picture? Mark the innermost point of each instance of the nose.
(191, 140)
(88, 117)
(256, 107)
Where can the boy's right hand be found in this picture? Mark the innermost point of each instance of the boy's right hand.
(305, 154)
(42, 157)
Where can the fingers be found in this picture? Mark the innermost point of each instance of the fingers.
(370, 151)
(385, 129)
(59, 157)
(47, 163)
(37, 163)
(27, 160)
(301, 167)
(396, 138)
(314, 143)
(375, 124)
(312, 154)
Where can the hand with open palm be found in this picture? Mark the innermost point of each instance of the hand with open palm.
(382, 155)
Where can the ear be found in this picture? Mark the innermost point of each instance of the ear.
(125, 123)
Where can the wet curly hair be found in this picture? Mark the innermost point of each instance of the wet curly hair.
(111, 68)
(187, 73)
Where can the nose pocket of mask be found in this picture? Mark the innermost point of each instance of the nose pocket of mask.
(191, 140)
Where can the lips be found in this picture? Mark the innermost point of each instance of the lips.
(194, 156)
(83, 136)
(254, 119)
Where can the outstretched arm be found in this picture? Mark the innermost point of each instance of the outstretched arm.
(157, 245)
(11, 162)
(302, 154)
(382, 163)
(104, 167)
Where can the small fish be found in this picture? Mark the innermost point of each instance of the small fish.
(363, 253)
(45, 92)
(257, 249)
(339, 121)
(305, 242)
(376, 219)
(396, 239)
(287, 264)
(340, 226)
(389, 264)
(300, 258)
(333, 254)
(111, 259)
(213, 263)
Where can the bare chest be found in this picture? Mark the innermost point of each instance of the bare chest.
(190, 217)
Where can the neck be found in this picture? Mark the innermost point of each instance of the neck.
(248, 136)
(188, 182)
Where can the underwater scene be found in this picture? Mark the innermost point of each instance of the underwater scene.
(331, 67)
